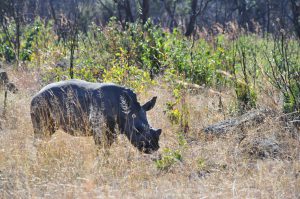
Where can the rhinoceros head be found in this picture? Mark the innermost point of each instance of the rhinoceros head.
(136, 126)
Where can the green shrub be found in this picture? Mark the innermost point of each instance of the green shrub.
(169, 158)
(245, 73)
(122, 73)
(135, 54)
(178, 111)
(246, 96)
(283, 56)
(30, 36)
(7, 51)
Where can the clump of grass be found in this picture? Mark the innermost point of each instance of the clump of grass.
(169, 157)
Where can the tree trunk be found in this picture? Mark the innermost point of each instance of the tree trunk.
(268, 16)
(17, 19)
(52, 10)
(295, 4)
(194, 13)
(72, 50)
(171, 13)
(127, 7)
(191, 24)
(145, 11)
(17, 38)
(242, 10)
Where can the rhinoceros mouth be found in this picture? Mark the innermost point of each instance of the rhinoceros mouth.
(149, 149)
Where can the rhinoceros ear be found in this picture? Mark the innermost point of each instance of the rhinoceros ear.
(149, 105)
(158, 132)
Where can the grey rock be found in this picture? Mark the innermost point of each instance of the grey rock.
(264, 148)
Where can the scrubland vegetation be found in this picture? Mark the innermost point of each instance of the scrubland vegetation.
(200, 80)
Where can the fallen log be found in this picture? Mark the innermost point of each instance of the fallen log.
(253, 117)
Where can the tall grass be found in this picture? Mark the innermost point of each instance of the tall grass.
(198, 81)
(70, 167)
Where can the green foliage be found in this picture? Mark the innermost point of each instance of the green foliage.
(173, 113)
(30, 37)
(28, 40)
(201, 164)
(152, 49)
(283, 69)
(143, 44)
(124, 74)
(244, 72)
(178, 111)
(136, 54)
(246, 96)
(86, 73)
(181, 141)
(170, 157)
(197, 60)
(45, 50)
(54, 75)
(7, 52)
(176, 48)
(172, 107)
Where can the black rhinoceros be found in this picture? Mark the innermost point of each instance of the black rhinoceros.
(82, 108)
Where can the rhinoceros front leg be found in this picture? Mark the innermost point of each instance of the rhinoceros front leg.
(43, 124)
(110, 133)
(105, 135)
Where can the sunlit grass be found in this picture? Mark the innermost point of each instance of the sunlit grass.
(71, 167)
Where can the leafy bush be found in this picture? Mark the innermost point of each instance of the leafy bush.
(124, 74)
(242, 72)
(134, 55)
(246, 96)
(31, 35)
(178, 111)
(7, 47)
(283, 70)
(6, 50)
(152, 49)
(169, 158)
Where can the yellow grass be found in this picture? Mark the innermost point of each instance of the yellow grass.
(71, 167)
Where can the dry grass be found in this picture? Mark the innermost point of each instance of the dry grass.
(70, 167)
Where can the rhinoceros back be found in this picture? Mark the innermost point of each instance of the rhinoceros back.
(72, 105)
